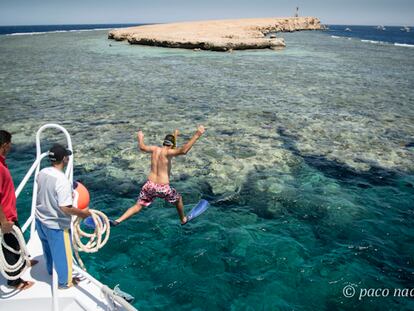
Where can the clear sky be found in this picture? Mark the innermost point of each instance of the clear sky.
(354, 12)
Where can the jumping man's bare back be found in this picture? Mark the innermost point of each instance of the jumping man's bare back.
(161, 169)
(160, 166)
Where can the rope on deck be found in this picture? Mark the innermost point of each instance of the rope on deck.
(96, 240)
(24, 260)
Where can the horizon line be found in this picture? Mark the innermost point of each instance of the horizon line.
(148, 23)
(183, 21)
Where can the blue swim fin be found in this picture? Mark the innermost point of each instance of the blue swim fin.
(200, 208)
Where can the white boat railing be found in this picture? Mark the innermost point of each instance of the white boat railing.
(35, 168)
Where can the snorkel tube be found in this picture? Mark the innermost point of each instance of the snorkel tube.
(175, 139)
(174, 143)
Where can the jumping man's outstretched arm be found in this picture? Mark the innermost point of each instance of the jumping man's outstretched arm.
(142, 145)
(186, 148)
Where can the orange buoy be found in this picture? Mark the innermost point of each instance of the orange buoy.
(81, 198)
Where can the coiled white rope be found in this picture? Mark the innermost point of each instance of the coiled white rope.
(24, 259)
(96, 240)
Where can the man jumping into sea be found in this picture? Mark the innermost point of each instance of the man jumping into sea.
(158, 183)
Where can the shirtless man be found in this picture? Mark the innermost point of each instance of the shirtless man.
(158, 184)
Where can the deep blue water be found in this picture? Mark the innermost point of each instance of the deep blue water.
(391, 34)
(15, 30)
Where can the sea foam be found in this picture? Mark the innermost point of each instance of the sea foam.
(404, 45)
(53, 31)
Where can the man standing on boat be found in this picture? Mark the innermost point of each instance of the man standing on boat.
(53, 215)
(158, 184)
(8, 213)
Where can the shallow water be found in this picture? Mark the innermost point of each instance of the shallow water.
(308, 161)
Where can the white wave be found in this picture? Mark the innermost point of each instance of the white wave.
(26, 33)
(404, 44)
(374, 41)
(53, 31)
(94, 29)
(387, 43)
(340, 37)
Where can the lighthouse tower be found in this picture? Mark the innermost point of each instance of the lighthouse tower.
(297, 12)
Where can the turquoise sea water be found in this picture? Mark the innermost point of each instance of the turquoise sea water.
(308, 161)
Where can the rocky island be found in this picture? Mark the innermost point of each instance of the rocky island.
(216, 35)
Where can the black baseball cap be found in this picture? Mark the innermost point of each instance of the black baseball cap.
(58, 152)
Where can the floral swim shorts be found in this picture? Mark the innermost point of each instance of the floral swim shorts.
(151, 190)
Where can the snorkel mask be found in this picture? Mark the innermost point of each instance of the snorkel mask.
(169, 140)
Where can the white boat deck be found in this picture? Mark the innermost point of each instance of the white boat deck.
(85, 296)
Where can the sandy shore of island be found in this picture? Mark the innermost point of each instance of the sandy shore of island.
(216, 35)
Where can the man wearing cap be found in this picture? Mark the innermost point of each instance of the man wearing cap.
(158, 184)
(53, 215)
(8, 213)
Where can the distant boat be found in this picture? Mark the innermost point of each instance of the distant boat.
(348, 29)
(381, 27)
(406, 29)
